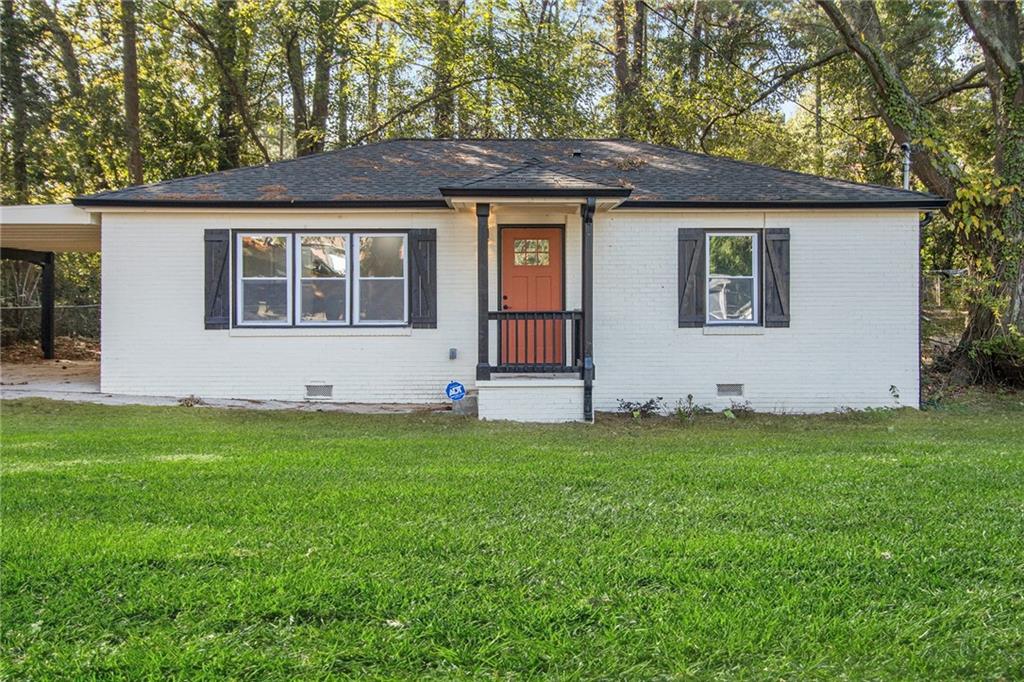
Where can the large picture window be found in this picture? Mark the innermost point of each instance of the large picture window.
(732, 278)
(321, 279)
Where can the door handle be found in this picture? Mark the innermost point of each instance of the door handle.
(504, 297)
(504, 307)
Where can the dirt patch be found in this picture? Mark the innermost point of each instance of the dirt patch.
(65, 347)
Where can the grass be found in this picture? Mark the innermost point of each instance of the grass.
(198, 543)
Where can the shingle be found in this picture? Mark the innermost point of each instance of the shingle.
(413, 171)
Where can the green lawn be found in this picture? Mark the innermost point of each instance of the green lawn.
(192, 543)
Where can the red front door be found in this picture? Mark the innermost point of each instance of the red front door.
(531, 281)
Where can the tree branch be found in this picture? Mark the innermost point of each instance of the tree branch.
(988, 40)
(965, 82)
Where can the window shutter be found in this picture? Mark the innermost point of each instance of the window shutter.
(776, 277)
(423, 279)
(218, 248)
(691, 278)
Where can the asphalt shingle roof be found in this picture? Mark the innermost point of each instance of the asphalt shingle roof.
(424, 172)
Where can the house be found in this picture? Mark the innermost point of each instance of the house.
(552, 277)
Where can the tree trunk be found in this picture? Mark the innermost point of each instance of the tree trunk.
(343, 106)
(297, 82)
(229, 137)
(13, 89)
(76, 89)
(696, 45)
(621, 67)
(326, 43)
(129, 58)
(444, 103)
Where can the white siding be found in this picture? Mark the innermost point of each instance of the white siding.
(853, 298)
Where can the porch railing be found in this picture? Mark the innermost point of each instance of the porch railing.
(547, 342)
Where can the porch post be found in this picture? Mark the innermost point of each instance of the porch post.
(47, 291)
(587, 271)
(483, 365)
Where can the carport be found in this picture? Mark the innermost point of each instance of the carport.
(34, 234)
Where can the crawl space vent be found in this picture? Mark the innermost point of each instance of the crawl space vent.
(730, 390)
(319, 391)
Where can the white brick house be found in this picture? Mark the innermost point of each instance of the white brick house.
(554, 278)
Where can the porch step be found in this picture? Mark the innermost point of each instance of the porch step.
(531, 398)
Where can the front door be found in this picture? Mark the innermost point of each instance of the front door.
(531, 281)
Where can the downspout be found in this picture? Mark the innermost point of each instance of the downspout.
(906, 164)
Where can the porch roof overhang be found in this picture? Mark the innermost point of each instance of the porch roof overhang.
(463, 198)
(49, 227)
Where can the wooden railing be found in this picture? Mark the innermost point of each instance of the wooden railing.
(547, 342)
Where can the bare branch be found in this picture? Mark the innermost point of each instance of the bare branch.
(965, 82)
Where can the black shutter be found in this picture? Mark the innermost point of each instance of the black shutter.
(423, 279)
(691, 278)
(218, 248)
(776, 277)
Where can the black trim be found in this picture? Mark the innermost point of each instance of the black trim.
(533, 192)
(923, 203)
(587, 210)
(483, 367)
(195, 203)
(524, 226)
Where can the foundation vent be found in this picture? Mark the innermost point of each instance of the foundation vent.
(730, 390)
(319, 391)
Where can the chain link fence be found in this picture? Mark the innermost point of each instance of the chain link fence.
(21, 323)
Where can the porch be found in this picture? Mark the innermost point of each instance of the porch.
(535, 352)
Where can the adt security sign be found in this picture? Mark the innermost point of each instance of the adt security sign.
(455, 391)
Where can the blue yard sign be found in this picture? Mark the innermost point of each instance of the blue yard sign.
(455, 391)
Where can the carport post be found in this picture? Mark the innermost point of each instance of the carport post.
(47, 294)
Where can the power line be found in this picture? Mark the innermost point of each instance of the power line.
(760, 81)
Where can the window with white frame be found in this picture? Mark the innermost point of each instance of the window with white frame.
(732, 291)
(321, 279)
(264, 279)
(322, 265)
(380, 271)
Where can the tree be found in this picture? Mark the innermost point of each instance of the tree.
(13, 91)
(986, 206)
(131, 90)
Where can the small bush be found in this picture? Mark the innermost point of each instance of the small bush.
(642, 410)
(687, 411)
(1002, 358)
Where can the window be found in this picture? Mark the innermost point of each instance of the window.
(380, 295)
(531, 252)
(321, 279)
(264, 279)
(732, 278)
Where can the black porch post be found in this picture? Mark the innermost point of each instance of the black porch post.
(587, 213)
(483, 365)
(47, 294)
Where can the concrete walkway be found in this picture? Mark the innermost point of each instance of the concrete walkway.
(79, 381)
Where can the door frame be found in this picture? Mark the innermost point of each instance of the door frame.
(527, 226)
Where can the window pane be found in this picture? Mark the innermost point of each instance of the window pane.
(731, 256)
(532, 252)
(731, 299)
(382, 300)
(265, 301)
(381, 257)
(323, 257)
(323, 300)
(264, 256)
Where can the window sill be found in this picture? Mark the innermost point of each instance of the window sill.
(318, 331)
(733, 330)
